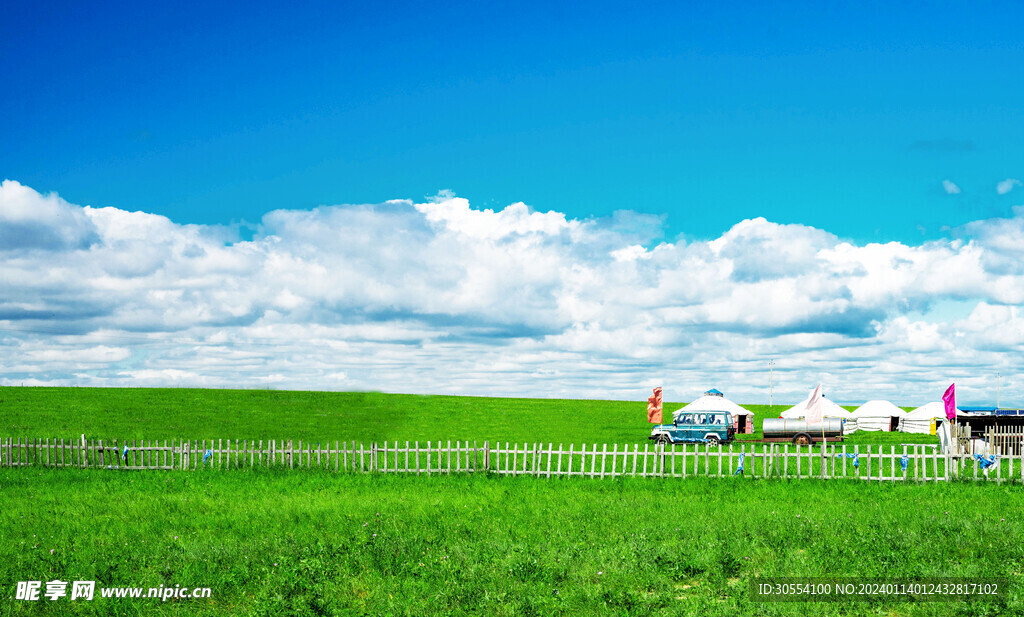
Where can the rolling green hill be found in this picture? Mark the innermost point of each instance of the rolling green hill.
(180, 413)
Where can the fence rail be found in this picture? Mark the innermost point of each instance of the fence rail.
(917, 463)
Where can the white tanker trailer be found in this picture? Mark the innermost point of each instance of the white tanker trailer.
(801, 431)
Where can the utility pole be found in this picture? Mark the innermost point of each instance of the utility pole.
(997, 390)
(771, 382)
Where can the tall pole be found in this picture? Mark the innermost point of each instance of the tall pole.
(997, 390)
(771, 382)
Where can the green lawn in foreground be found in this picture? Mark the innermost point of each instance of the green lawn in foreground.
(312, 543)
(179, 413)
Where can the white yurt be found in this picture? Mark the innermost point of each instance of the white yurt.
(830, 410)
(878, 416)
(713, 400)
(920, 420)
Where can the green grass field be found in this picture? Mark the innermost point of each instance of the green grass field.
(154, 413)
(316, 543)
(276, 542)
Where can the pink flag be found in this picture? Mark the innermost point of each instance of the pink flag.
(815, 406)
(654, 407)
(949, 400)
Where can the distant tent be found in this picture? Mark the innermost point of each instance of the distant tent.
(713, 400)
(920, 420)
(878, 416)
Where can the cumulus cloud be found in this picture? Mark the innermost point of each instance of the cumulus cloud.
(29, 220)
(950, 187)
(1005, 186)
(440, 297)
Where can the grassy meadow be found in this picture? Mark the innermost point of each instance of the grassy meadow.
(313, 542)
(272, 542)
(171, 413)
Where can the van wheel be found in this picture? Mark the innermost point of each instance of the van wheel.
(713, 440)
(663, 440)
(803, 439)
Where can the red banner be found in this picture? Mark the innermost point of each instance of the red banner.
(654, 407)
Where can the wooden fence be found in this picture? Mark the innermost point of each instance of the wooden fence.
(1007, 440)
(1002, 441)
(921, 463)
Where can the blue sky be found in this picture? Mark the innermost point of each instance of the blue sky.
(515, 199)
(844, 118)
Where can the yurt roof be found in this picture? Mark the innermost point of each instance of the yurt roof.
(878, 409)
(935, 409)
(831, 409)
(716, 403)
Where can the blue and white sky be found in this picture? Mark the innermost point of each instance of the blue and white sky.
(515, 199)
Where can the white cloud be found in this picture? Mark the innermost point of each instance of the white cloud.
(29, 220)
(631, 253)
(100, 354)
(950, 187)
(1005, 186)
(455, 214)
(439, 297)
(163, 377)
